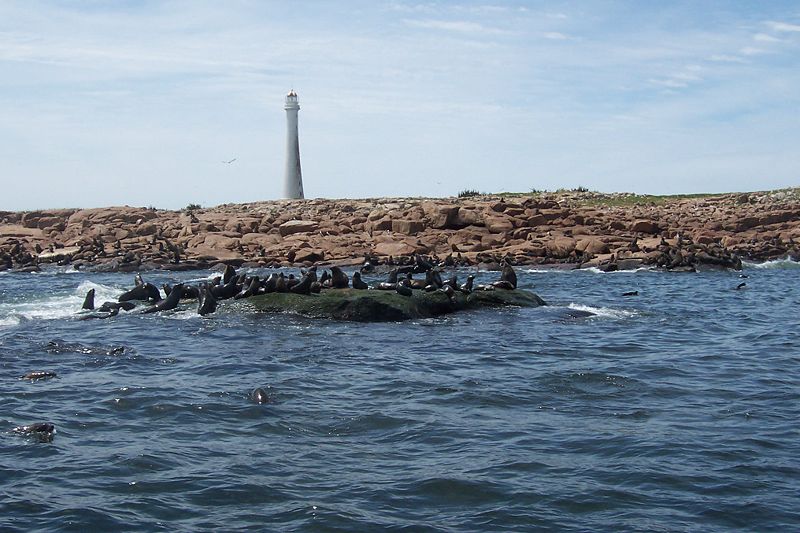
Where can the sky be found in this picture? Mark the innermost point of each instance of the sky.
(140, 102)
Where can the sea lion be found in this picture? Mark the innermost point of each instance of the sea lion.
(88, 302)
(36, 375)
(432, 277)
(403, 290)
(206, 303)
(223, 292)
(448, 290)
(110, 306)
(507, 274)
(466, 288)
(170, 303)
(280, 283)
(631, 293)
(503, 284)
(742, 285)
(304, 285)
(137, 280)
(452, 282)
(269, 284)
(144, 292)
(102, 314)
(358, 283)
(251, 290)
(260, 396)
(339, 280)
(392, 276)
(227, 274)
(325, 279)
(421, 265)
(316, 287)
(386, 286)
(42, 431)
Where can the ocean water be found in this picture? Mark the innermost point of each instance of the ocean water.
(674, 410)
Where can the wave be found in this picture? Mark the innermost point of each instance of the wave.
(54, 306)
(603, 312)
(776, 264)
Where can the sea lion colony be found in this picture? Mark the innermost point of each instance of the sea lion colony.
(237, 286)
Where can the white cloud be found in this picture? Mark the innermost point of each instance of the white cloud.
(459, 26)
(764, 38)
(783, 26)
(555, 36)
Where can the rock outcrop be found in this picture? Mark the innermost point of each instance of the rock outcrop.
(609, 232)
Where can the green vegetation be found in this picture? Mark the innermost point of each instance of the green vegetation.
(192, 207)
(468, 193)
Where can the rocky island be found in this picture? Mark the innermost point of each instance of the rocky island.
(578, 228)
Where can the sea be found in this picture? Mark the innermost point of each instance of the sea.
(675, 409)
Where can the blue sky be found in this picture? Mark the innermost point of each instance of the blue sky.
(138, 103)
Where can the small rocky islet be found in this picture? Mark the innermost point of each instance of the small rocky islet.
(399, 297)
(573, 228)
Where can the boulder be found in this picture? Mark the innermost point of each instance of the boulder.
(297, 226)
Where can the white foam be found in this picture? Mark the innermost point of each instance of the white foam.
(604, 312)
(776, 264)
(9, 321)
(57, 306)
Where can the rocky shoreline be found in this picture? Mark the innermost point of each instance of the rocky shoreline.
(572, 228)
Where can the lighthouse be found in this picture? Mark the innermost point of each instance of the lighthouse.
(293, 179)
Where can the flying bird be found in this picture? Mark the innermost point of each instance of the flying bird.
(229, 162)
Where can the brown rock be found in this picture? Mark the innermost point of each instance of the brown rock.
(645, 226)
(297, 226)
(407, 227)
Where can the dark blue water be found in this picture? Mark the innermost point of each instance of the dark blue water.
(675, 410)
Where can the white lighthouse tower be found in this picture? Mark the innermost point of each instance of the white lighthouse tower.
(293, 180)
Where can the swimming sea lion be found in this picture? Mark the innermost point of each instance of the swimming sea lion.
(110, 306)
(339, 280)
(42, 431)
(631, 293)
(260, 396)
(88, 302)
(170, 303)
(358, 283)
(742, 285)
(36, 375)
(102, 314)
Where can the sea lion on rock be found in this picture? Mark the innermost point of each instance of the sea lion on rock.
(303, 286)
(386, 286)
(206, 303)
(88, 302)
(223, 292)
(508, 274)
(144, 292)
(403, 290)
(170, 303)
(466, 288)
(251, 290)
(339, 279)
(269, 284)
(280, 283)
(358, 283)
(228, 274)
